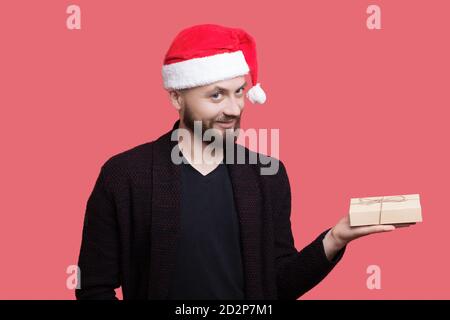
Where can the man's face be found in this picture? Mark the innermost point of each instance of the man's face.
(219, 105)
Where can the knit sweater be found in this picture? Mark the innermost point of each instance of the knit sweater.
(132, 224)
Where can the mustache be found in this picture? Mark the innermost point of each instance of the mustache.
(228, 119)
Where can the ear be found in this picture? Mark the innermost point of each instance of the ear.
(176, 99)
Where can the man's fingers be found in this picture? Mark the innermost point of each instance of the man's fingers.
(361, 231)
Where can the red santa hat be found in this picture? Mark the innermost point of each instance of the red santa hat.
(207, 53)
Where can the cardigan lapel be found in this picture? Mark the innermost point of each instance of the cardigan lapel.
(248, 199)
(165, 226)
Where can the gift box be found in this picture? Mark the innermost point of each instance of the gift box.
(396, 210)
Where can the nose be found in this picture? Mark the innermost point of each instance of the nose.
(233, 108)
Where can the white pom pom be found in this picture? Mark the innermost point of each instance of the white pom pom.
(256, 94)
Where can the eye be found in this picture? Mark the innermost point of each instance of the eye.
(215, 95)
(241, 90)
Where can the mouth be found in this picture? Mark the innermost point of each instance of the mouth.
(227, 124)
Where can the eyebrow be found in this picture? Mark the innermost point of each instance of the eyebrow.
(225, 89)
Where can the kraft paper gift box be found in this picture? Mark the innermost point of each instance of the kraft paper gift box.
(399, 209)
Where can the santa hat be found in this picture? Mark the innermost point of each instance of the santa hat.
(207, 53)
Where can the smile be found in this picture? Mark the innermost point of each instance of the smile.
(227, 125)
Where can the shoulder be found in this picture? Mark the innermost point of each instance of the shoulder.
(137, 158)
(272, 176)
(269, 168)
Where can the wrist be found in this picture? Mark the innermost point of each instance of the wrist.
(337, 242)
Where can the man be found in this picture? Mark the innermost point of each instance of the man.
(201, 229)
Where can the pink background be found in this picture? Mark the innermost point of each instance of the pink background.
(360, 113)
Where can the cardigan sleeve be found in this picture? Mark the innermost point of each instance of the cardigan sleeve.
(99, 254)
(297, 272)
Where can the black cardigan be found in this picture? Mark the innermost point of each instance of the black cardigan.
(132, 222)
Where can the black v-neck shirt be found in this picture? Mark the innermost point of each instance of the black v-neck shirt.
(208, 261)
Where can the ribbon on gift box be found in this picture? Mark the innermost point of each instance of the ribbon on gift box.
(381, 200)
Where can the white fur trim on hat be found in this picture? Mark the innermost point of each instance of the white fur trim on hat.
(205, 70)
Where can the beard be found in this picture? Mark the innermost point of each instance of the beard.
(189, 122)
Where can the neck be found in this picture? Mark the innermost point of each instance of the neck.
(194, 148)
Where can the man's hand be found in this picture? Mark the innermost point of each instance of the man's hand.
(341, 234)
